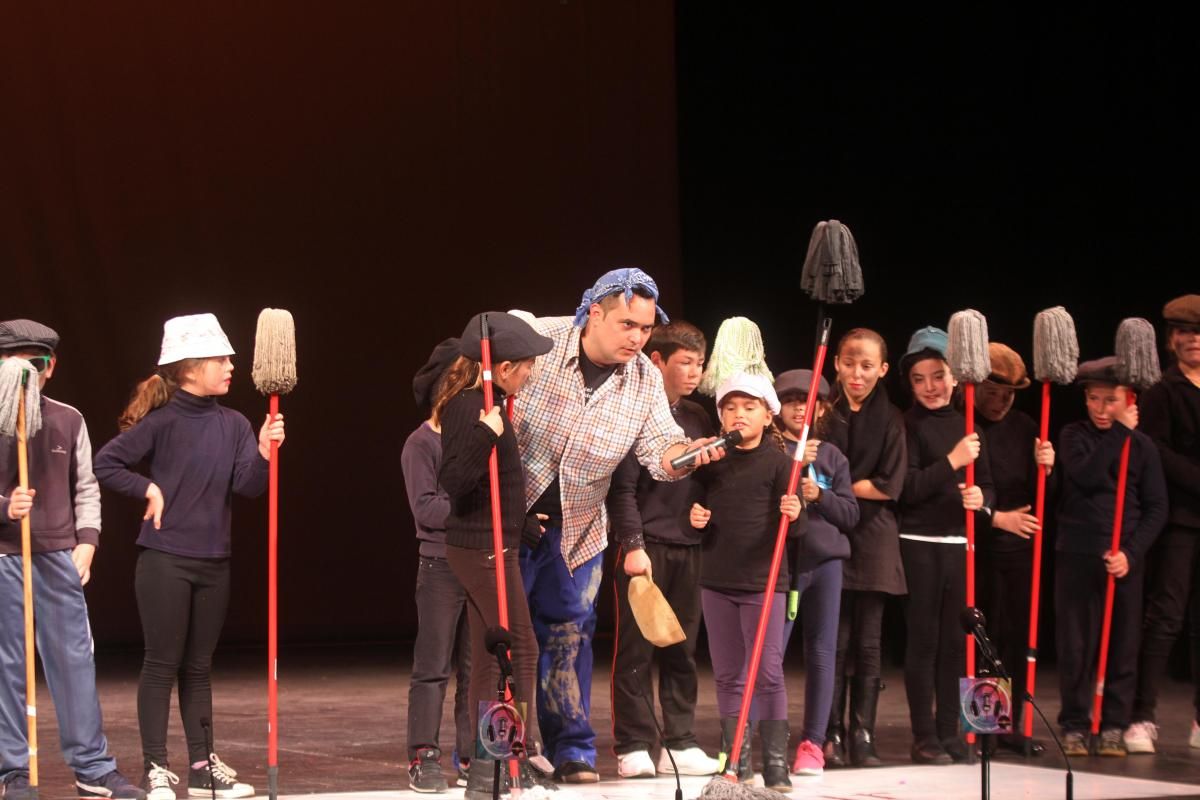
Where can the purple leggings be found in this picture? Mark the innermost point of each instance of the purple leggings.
(732, 619)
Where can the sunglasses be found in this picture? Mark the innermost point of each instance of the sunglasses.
(39, 363)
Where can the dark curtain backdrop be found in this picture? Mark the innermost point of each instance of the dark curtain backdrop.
(382, 170)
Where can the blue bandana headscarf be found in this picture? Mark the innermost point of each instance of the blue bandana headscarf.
(623, 280)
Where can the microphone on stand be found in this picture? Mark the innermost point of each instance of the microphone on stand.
(974, 623)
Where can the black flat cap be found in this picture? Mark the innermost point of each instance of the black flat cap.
(799, 381)
(513, 339)
(21, 333)
(1099, 370)
(427, 376)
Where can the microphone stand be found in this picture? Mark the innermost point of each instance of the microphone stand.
(661, 736)
(501, 651)
(992, 657)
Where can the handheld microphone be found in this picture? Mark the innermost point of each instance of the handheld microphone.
(497, 641)
(731, 439)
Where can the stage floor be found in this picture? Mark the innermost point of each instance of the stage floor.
(342, 734)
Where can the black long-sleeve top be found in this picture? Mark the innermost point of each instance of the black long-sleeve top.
(931, 504)
(642, 509)
(1010, 444)
(743, 491)
(466, 445)
(1170, 416)
(1090, 460)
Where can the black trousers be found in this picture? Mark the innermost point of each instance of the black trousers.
(860, 630)
(676, 571)
(443, 646)
(182, 604)
(1004, 580)
(1172, 572)
(936, 654)
(1079, 587)
(476, 571)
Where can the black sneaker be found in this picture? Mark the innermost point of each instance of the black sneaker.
(576, 772)
(16, 787)
(216, 778)
(481, 775)
(158, 782)
(463, 767)
(425, 771)
(114, 785)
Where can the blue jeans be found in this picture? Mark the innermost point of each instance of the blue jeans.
(64, 644)
(562, 606)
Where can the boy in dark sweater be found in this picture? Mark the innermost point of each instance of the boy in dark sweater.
(1171, 417)
(933, 542)
(1090, 457)
(1005, 543)
(647, 520)
(63, 504)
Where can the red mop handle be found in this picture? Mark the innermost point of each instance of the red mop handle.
(273, 598)
(1036, 590)
(1110, 589)
(969, 404)
(764, 616)
(494, 478)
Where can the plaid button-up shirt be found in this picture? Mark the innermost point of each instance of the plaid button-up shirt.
(581, 440)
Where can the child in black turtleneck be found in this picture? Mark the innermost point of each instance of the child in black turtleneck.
(932, 543)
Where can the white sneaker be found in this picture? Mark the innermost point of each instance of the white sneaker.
(1194, 739)
(158, 783)
(635, 765)
(691, 761)
(1140, 736)
(219, 779)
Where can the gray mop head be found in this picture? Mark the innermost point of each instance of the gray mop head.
(1137, 354)
(832, 273)
(274, 370)
(967, 349)
(12, 373)
(737, 348)
(720, 789)
(1055, 347)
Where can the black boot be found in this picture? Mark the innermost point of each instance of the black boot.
(835, 733)
(864, 700)
(745, 768)
(774, 735)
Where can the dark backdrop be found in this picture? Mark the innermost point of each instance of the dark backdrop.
(386, 170)
(382, 170)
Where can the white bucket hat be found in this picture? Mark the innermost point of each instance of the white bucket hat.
(754, 385)
(193, 336)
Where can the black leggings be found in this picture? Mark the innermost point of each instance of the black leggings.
(182, 603)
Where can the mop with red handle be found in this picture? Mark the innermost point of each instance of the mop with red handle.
(832, 275)
(485, 348)
(274, 374)
(21, 416)
(1137, 369)
(970, 362)
(1055, 360)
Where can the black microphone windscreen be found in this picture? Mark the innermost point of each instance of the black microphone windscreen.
(972, 618)
(733, 438)
(496, 637)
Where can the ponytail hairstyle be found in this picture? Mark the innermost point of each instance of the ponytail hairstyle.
(156, 391)
(823, 416)
(462, 374)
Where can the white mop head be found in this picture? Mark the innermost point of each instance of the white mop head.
(1055, 347)
(274, 370)
(967, 347)
(13, 373)
(738, 348)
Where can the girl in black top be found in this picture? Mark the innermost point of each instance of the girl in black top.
(468, 436)
(933, 544)
(870, 431)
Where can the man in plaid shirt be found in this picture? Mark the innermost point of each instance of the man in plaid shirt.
(589, 401)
